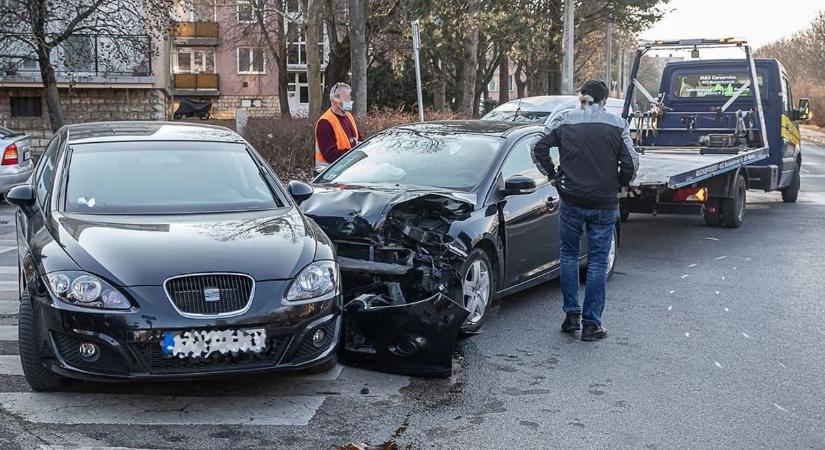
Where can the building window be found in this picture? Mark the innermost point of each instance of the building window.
(510, 83)
(29, 64)
(78, 53)
(201, 10)
(246, 11)
(297, 50)
(190, 60)
(26, 107)
(492, 86)
(298, 84)
(251, 60)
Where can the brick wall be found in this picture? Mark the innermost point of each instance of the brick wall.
(84, 105)
(224, 106)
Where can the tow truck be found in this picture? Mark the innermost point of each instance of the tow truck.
(715, 129)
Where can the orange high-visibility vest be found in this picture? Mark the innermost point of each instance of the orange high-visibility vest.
(341, 138)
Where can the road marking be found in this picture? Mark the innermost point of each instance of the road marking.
(74, 408)
(8, 332)
(812, 176)
(85, 447)
(10, 365)
(7, 249)
(8, 269)
(9, 306)
(8, 285)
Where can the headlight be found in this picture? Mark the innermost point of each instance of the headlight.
(84, 289)
(317, 279)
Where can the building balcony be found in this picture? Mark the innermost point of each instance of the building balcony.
(196, 84)
(195, 33)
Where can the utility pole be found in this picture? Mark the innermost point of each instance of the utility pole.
(568, 49)
(416, 48)
(609, 59)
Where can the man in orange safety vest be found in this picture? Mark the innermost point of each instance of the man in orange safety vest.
(336, 132)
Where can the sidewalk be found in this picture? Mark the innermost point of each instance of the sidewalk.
(813, 134)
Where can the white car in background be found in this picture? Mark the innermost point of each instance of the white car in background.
(16, 164)
(543, 109)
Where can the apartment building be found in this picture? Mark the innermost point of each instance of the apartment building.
(218, 54)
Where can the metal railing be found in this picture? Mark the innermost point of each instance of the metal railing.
(195, 29)
(196, 81)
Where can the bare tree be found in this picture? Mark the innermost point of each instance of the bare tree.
(358, 50)
(80, 36)
(467, 77)
(311, 10)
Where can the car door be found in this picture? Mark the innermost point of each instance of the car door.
(790, 133)
(531, 225)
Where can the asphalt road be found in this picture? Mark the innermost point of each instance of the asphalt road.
(715, 342)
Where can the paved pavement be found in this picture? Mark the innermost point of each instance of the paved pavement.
(715, 341)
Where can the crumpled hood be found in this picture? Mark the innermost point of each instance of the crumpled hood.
(353, 211)
(146, 250)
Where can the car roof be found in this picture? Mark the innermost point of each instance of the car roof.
(547, 103)
(97, 132)
(477, 127)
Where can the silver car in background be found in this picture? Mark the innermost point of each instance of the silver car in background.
(16, 164)
(542, 109)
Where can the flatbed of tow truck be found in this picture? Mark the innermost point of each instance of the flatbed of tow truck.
(674, 168)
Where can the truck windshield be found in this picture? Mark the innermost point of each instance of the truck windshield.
(712, 84)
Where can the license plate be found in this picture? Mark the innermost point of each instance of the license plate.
(204, 343)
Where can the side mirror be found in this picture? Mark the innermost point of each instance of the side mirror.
(804, 111)
(519, 185)
(21, 196)
(299, 191)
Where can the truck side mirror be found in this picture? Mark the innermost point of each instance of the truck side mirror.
(804, 111)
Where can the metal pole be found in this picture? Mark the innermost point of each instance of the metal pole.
(568, 49)
(416, 47)
(609, 37)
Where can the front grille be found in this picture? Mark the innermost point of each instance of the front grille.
(108, 360)
(156, 362)
(210, 294)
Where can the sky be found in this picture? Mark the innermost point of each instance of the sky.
(759, 21)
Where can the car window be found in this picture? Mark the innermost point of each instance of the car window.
(165, 178)
(45, 170)
(520, 161)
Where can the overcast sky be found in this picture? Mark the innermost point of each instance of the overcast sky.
(760, 21)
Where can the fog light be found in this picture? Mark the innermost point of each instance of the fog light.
(88, 351)
(318, 337)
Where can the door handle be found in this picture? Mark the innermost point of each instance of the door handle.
(553, 204)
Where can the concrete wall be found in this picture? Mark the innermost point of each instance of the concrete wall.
(84, 105)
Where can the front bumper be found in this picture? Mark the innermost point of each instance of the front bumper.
(129, 342)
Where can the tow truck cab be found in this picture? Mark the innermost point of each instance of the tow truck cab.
(688, 87)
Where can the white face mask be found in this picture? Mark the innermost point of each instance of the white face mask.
(346, 105)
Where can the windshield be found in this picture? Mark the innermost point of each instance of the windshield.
(165, 178)
(713, 84)
(405, 157)
(517, 116)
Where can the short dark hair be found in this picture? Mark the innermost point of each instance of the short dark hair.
(595, 88)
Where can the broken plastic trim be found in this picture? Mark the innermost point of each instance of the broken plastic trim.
(416, 339)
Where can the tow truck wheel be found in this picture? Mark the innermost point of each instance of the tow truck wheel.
(476, 289)
(790, 193)
(733, 209)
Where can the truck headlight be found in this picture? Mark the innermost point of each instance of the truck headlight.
(84, 289)
(315, 280)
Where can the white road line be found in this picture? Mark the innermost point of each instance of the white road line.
(9, 285)
(8, 269)
(10, 365)
(86, 447)
(74, 408)
(7, 249)
(812, 176)
(8, 332)
(9, 306)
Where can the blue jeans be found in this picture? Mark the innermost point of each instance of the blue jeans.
(600, 224)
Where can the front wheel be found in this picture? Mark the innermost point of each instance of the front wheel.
(476, 289)
(39, 377)
(790, 193)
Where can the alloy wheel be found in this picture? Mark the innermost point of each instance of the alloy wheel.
(476, 288)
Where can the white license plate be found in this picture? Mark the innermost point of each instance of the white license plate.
(204, 343)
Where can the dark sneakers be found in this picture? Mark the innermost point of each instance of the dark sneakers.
(572, 322)
(593, 332)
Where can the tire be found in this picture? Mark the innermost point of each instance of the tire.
(177, 116)
(203, 116)
(470, 290)
(323, 367)
(790, 193)
(39, 377)
(711, 214)
(733, 209)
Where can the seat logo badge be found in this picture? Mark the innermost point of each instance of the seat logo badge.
(212, 294)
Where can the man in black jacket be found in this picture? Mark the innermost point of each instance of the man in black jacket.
(596, 156)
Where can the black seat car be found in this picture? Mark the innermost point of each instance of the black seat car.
(156, 250)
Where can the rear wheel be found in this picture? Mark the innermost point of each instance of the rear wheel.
(790, 193)
(37, 375)
(733, 209)
(476, 289)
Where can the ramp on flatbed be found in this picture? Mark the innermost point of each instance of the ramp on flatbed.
(678, 167)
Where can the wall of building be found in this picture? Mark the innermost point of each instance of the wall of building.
(83, 105)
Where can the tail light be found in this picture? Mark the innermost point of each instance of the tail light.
(9, 155)
(691, 195)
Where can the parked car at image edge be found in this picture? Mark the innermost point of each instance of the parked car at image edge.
(16, 164)
(156, 250)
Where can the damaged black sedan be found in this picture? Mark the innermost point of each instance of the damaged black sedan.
(431, 222)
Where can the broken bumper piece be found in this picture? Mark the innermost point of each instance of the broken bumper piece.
(415, 339)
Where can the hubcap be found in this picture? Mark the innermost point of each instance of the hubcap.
(476, 287)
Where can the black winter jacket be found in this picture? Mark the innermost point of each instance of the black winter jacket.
(596, 156)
